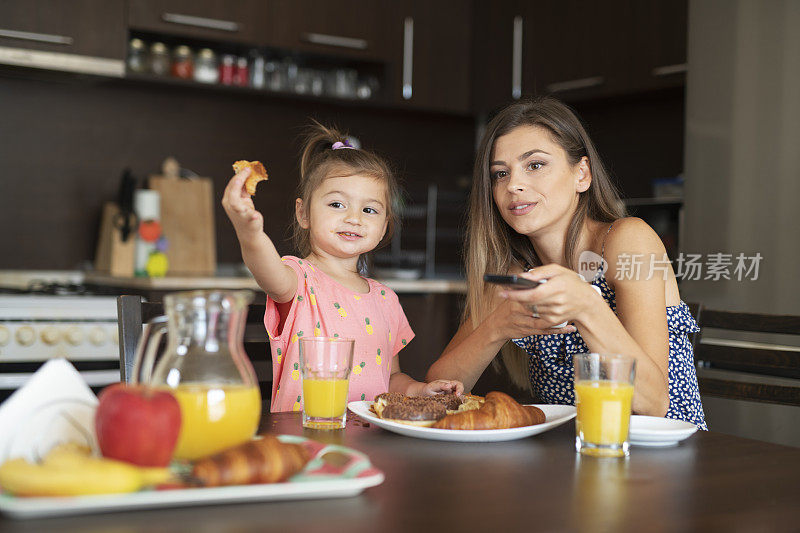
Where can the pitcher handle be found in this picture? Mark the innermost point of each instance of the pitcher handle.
(146, 349)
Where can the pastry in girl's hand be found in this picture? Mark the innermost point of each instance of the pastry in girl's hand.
(257, 173)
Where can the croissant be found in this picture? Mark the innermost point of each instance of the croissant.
(499, 411)
(266, 460)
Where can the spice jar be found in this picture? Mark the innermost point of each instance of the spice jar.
(226, 69)
(159, 59)
(137, 56)
(241, 74)
(205, 68)
(182, 63)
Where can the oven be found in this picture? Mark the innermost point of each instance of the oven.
(37, 327)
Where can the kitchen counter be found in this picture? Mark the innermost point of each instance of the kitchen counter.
(429, 286)
(229, 278)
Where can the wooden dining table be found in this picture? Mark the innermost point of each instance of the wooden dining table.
(709, 482)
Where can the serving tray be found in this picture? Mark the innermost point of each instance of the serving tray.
(333, 472)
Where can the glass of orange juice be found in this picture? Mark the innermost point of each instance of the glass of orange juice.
(603, 396)
(325, 364)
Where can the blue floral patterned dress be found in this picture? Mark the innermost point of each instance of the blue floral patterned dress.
(552, 373)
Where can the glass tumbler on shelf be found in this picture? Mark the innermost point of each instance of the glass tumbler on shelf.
(302, 83)
(257, 63)
(344, 83)
(317, 82)
(289, 69)
(325, 364)
(603, 398)
(205, 367)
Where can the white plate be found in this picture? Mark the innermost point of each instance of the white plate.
(555, 415)
(657, 431)
(301, 487)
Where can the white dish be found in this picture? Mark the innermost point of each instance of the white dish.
(555, 415)
(657, 431)
(357, 475)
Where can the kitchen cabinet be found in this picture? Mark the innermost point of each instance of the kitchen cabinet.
(433, 55)
(577, 50)
(658, 44)
(573, 49)
(236, 21)
(80, 36)
(345, 28)
(496, 68)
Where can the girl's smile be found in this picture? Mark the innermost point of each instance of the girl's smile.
(348, 235)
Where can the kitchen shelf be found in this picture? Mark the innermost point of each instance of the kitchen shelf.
(378, 103)
(169, 81)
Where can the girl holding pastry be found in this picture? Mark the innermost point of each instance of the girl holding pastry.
(346, 207)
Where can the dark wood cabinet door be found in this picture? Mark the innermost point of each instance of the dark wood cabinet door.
(345, 28)
(242, 21)
(433, 55)
(84, 27)
(575, 49)
(658, 44)
(493, 76)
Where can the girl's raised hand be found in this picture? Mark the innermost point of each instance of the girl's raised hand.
(565, 296)
(239, 207)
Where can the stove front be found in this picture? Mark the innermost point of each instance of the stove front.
(36, 328)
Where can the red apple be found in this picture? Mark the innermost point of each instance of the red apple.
(137, 424)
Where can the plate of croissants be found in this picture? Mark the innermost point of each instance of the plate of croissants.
(466, 418)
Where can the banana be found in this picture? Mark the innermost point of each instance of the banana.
(69, 470)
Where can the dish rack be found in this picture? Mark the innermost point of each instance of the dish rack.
(429, 240)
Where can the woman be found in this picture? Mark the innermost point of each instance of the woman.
(540, 198)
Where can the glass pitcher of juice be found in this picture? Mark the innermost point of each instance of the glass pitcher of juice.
(205, 366)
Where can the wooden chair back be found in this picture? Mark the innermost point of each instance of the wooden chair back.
(748, 357)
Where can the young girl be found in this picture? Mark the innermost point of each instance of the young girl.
(540, 199)
(346, 207)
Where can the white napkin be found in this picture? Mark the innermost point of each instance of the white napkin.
(55, 405)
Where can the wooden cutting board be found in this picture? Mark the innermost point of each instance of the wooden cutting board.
(187, 220)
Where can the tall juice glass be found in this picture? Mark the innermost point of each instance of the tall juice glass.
(325, 364)
(603, 397)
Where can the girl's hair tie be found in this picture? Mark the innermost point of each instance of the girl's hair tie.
(339, 144)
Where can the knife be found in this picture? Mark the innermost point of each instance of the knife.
(126, 220)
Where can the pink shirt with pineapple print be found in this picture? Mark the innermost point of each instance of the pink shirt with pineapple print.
(323, 307)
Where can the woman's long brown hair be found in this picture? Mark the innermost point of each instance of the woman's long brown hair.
(492, 246)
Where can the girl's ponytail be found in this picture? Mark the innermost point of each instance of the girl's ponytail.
(317, 141)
